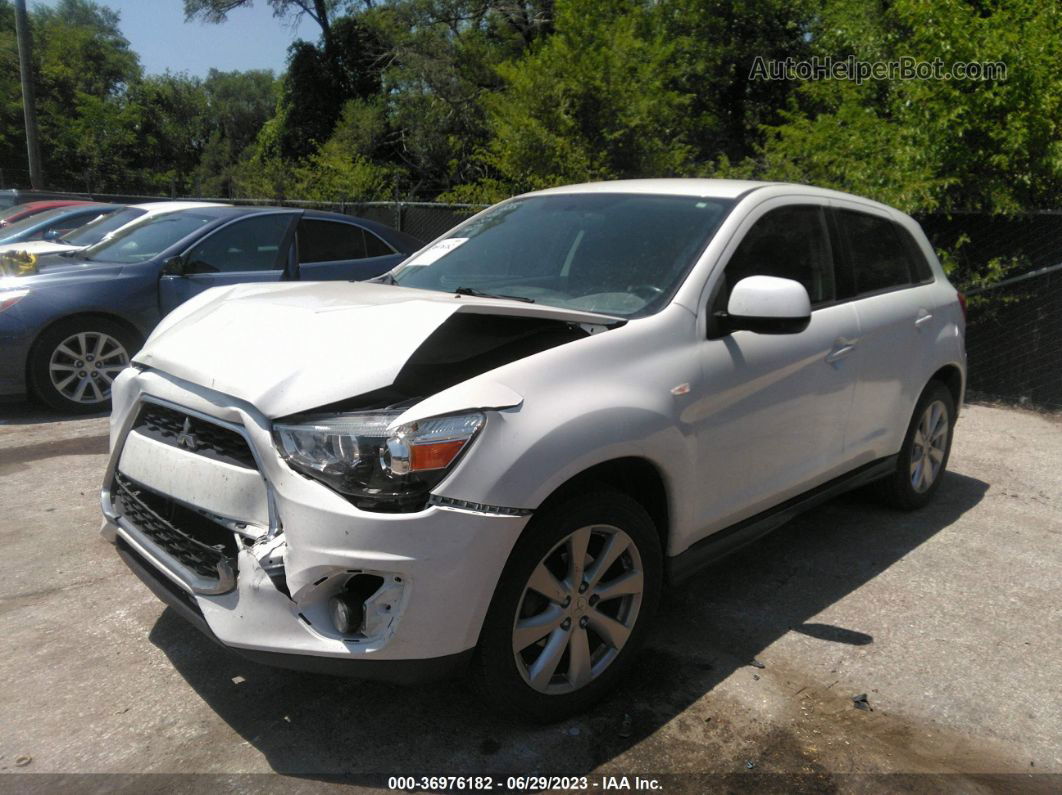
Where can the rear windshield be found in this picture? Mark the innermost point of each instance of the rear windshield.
(95, 231)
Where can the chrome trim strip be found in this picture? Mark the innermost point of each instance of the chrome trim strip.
(477, 507)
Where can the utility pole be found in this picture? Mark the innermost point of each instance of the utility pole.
(29, 102)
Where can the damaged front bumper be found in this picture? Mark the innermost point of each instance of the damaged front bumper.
(204, 511)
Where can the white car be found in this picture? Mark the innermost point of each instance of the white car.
(502, 453)
(96, 230)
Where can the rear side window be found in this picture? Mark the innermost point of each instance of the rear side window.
(878, 256)
(329, 241)
(790, 243)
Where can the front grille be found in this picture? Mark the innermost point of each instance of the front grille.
(197, 542)
(193, 434)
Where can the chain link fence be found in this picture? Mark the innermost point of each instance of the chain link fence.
(1014, 340)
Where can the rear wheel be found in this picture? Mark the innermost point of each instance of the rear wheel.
(923, 458)
(572, 608)
(74, 363)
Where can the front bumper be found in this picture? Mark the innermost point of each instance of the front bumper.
(295, 543)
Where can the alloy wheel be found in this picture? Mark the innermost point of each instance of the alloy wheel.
(578, 609)
(929, 445)
(84, 365)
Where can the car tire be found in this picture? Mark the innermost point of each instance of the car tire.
(72, 364)
(920, 467)
(593, 640)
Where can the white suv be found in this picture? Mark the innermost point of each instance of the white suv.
(503, 451)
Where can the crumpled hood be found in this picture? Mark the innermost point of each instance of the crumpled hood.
(292, 347)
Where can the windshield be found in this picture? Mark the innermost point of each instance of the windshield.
(32, 221)
(617, 254)
(95, 231)
(140, 242)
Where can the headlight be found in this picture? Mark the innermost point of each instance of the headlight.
(8, 298)
(377, 470)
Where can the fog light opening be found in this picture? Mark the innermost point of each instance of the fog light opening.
(347, 608)
(347, 613)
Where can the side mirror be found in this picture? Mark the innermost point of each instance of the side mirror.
(174, 266)
(767, 305)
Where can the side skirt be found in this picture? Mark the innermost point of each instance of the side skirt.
(730, 539)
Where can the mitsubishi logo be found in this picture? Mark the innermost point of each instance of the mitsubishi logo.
(186, 438)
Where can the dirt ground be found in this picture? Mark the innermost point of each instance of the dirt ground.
(948, 619)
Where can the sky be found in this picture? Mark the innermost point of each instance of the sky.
(251, 38)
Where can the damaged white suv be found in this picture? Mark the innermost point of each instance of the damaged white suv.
(503, 450)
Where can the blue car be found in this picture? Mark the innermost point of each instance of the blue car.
(70, 324)
(54, 223)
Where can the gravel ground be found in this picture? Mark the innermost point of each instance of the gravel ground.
(948, 619)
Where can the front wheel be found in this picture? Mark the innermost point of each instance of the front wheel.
(75, 361)
(572, 608)
(924, 456)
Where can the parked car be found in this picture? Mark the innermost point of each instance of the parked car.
(94, 231)
(68, 325)
(35, 210)
(54, 223)
(500, 453)
(9, 197)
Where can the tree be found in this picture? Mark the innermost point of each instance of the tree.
(595, 101)
(993, 145)
(217, 11)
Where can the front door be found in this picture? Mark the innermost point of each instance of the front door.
(772, 408)
(254, 249)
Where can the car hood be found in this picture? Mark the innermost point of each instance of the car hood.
(37, 247)
(31, 270)
(294, 347)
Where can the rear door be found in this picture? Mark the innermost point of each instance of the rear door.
(893, 299)
(254, 249)
(333, 249)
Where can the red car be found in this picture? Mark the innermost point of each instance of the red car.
(20, 211)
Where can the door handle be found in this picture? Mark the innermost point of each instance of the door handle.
(922, 319)
(841, 349)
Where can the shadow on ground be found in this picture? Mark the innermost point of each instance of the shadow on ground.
(321, 726)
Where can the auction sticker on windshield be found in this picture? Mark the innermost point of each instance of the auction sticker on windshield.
(439, 250)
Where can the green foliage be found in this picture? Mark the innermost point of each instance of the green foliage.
(595, 101)
(991, 145)
(473, 100)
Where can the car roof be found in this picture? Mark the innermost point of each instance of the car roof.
(704, 188)
(51, 204)
(401, 240)
(156, 208)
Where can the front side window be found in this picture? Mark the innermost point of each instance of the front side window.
(251, 244)
(147, 239)
(617, 254)
(329, 241)
(790, 243)
(878, 257)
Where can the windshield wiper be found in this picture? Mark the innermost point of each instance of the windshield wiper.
(383, 278)
(480, 294)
